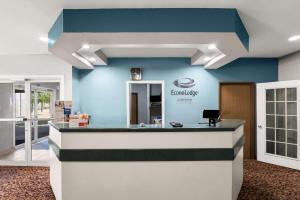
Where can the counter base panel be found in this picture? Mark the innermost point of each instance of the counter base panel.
(188, 180)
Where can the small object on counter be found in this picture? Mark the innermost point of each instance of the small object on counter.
(157, 121)
(142, 124)
(176, 124)
(74, 120)
(212, 115)
(83, 119)
(62, 111)
(67, 113)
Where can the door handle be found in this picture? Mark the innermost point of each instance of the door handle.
(259, 126)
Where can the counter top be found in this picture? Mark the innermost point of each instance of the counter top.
(224, 125)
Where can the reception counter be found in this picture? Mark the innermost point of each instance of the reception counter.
(147, 163)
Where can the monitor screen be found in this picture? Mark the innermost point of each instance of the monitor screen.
(212, 114)
(155, 98)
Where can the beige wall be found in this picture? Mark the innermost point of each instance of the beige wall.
(37, 65)
(289, 67)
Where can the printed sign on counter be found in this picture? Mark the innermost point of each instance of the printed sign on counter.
(63, 110)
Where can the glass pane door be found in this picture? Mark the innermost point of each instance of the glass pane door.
(20, 112)
(43, 96)
(12, 127)
(25, 109)
(281, 122)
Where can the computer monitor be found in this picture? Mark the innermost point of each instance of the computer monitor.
(212, 115)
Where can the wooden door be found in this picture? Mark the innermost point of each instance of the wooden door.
(134, 109)
(237, 101)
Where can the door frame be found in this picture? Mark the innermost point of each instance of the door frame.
(261, 121)
(128, 103)
(253, 144)
(28, 79)
(38, 79)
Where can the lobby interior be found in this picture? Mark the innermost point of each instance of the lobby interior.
(136, 81)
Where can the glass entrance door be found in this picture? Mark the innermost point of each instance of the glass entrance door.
(25, 109)
(12, 125)
(43, 98)
(278, 123)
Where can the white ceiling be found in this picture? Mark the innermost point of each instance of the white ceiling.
(269, 22)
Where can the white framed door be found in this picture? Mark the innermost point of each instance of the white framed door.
(37, 153)
(278, 123)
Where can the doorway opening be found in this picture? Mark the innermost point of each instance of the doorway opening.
(145, 102)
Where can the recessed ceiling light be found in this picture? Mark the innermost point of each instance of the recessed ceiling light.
(212, 46)
(207, 58)
(92, 59)
(82, 59)
(215, 59)
(45, 39)
(294, 38)
(85, 46)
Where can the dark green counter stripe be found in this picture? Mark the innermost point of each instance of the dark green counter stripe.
(55, 148)
(238, 145)
(111, 155)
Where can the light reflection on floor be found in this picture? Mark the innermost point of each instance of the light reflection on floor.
(38, 153)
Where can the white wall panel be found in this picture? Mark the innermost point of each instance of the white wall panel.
(289, 67)
(6, 111)
(37, 65)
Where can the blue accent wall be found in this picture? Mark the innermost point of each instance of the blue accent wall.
(150, 20)
(102, 92)
(56, 30)
(75, 89)
(241, 31)
(249, 70)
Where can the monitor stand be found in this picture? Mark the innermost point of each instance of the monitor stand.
(212, 122)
